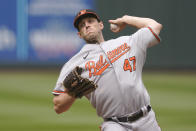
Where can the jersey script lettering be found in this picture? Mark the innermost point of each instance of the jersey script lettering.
(97, 68)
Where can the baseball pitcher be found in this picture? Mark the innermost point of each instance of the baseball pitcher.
(109, 73)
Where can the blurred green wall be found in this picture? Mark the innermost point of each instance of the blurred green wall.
(177, 49)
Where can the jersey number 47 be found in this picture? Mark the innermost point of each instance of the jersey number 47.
(129, 64)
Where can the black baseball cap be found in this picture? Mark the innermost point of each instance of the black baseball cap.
(83, 14)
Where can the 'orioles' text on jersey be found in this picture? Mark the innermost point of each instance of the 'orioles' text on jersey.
(116, 67)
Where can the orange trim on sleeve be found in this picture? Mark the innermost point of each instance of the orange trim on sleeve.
(55, 91)
(156, 36)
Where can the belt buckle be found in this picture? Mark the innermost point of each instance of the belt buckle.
(128, 119)
(114, 118)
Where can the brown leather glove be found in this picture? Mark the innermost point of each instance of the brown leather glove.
(76, 85)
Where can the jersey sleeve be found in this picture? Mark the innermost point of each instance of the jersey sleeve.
(145, 37)
(59, 88)
(66, 69)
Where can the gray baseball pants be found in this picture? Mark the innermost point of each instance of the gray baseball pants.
(146, 123)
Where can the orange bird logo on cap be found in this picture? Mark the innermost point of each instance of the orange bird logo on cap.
(82, 12)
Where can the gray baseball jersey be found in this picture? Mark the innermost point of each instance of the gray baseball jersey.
(116, 67)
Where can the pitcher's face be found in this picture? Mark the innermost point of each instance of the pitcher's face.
(90, 29)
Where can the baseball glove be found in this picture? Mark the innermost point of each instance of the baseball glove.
(76, 85)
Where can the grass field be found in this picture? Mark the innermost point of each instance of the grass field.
(26, 102)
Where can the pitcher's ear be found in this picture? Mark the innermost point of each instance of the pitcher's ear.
(101, 24)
